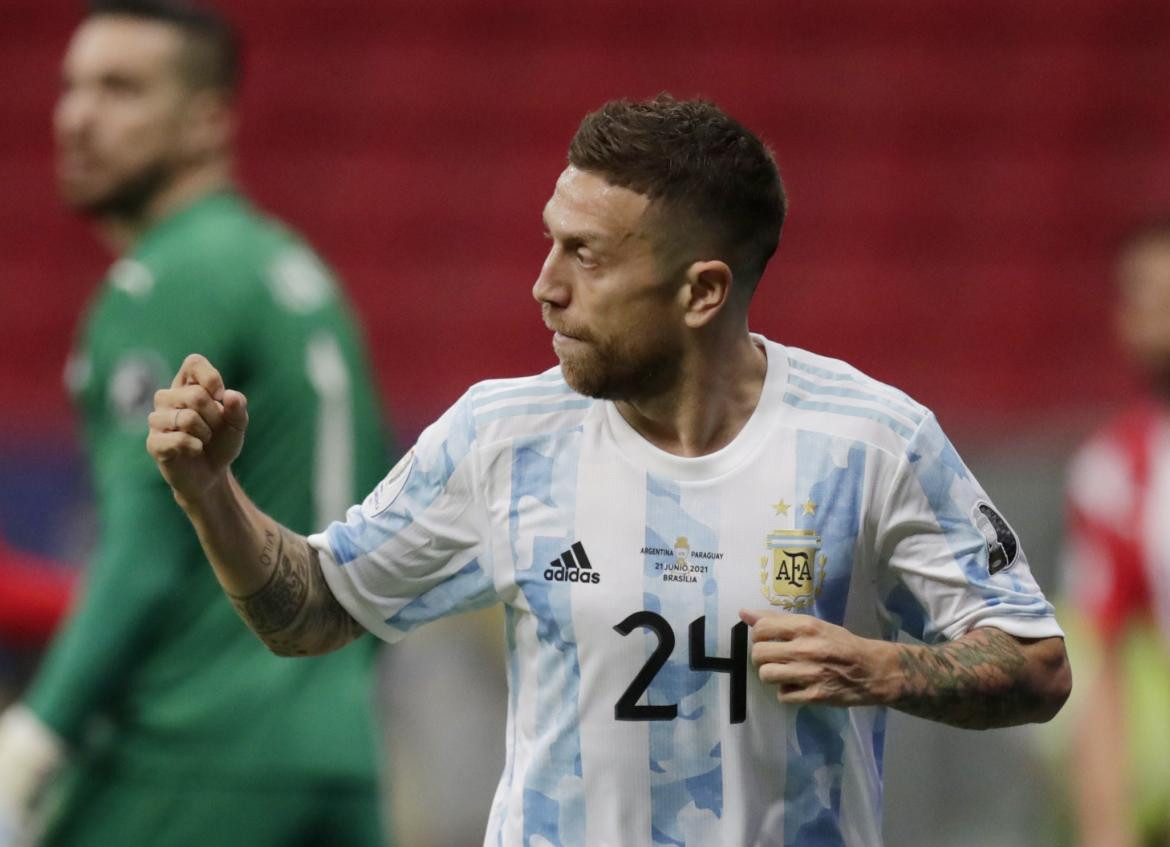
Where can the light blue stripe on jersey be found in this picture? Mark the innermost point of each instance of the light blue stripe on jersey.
(513, 411)
(853, 411)
(816, 755)
(937, 467)
(856, 394)
(837, 493)
(686, 766)
(428, 477)
(545, 468)
(878, 391)
(815, 761)
(503, 793)
(532, 389)
(470, 589)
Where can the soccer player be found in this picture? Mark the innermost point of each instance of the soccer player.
(1119, 560)
(178, 726)
(681, 501)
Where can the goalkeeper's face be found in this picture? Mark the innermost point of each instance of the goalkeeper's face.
(614, 309)
(125, 121)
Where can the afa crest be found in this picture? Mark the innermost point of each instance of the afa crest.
(793, 572)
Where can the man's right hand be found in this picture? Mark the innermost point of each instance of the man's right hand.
(196, 429)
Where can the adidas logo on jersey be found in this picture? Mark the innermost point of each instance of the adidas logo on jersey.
(572, 566)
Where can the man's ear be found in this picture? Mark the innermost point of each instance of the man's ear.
(209, 124)
(706, 290)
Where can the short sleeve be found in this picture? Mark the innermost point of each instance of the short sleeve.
(948, 560)
(415, 549)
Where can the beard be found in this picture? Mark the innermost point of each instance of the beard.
(616, 371)
(127, 199)
(1158, 378)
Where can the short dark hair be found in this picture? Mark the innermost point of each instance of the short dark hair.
(211, 46)
(697, 163)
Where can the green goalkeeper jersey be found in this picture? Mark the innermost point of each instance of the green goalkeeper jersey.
(153, 669)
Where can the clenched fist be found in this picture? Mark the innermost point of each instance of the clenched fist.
(196, 428)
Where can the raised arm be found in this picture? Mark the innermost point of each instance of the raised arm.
(272, 575)
(984, 679)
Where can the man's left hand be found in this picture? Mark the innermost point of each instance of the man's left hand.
(813, 661)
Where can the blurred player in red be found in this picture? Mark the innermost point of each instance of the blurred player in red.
(1119, 546)
(35, 597)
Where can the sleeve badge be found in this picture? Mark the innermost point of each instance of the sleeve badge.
(1003, 546)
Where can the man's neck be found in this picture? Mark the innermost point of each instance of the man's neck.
(1159, 384)
(713, 400)
(122, 233)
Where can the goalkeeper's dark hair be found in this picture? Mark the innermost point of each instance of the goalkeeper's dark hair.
(211, 46)
(1152, 228)
(699, 166)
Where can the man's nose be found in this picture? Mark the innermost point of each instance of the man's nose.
(72, 113)
(551, 286)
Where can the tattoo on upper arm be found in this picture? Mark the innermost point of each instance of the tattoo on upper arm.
(976, 682)
(294, 612)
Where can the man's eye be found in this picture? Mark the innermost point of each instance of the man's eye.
(122, 86)
(586, 258)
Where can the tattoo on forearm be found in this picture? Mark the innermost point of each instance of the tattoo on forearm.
(294, 612)
(275, 606)
(975, 682)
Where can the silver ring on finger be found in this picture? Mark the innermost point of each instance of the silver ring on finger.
(175, 424)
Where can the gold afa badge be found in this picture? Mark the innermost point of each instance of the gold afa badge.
(793, 572)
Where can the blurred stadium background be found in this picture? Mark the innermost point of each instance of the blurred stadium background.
(958, 175)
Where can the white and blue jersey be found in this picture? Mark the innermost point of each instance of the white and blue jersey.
(634, 717)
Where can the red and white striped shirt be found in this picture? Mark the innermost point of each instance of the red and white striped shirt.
(1118, 561)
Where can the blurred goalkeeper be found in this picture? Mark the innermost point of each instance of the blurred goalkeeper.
(157, 718)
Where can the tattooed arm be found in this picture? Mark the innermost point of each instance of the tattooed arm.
(272, 575)
(293, 612)
(986, 678)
